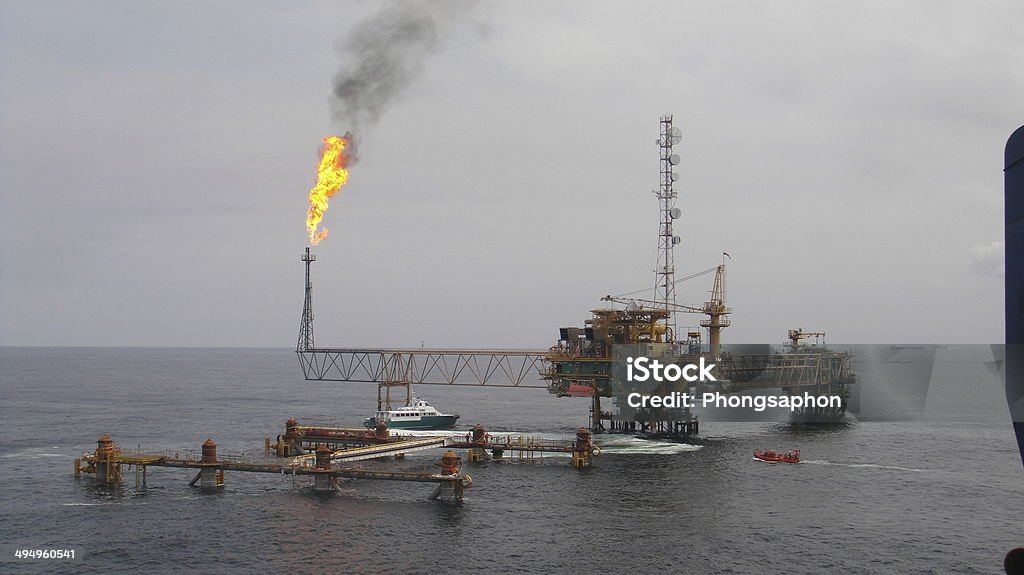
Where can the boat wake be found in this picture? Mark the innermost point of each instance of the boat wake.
(863, 465)
(635, 446)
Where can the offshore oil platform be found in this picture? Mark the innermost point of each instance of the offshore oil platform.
(583, 361)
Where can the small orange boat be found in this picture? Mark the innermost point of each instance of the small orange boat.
(772, 456)
(580, 390)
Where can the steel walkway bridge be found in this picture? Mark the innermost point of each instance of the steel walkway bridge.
(493, 367)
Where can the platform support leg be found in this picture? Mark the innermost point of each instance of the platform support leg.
(477, 454)
(322, 483)
(450, 491)
(211, 478)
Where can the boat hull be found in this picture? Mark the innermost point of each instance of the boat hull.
(426, 422)
(776, 458)
(577, 390)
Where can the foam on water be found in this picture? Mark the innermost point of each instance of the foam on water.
(629, 445)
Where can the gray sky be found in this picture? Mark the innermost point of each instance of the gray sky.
(155, 161)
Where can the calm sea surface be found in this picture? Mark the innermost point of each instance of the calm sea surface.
(943, 495)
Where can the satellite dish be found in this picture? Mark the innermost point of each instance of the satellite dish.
(674, 159)
(675, 213)
(676, 240)
(677, 135)
(675, 176)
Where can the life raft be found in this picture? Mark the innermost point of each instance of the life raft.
(772, 456)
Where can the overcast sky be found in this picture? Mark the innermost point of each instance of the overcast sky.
(155, 160)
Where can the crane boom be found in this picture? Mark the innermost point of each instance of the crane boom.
(715, 309)
(795, 335)
(651, 304)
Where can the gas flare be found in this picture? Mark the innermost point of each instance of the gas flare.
(331, 175)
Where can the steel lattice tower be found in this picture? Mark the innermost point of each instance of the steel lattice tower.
(665, 286)
(306, 326)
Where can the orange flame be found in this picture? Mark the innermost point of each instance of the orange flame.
(331, 175)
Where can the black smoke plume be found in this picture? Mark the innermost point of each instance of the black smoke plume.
(380, 58)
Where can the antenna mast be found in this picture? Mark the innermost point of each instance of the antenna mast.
(665, 287)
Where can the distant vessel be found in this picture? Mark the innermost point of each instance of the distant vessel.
(772, 456)
(417, 415)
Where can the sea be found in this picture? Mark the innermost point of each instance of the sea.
(939, 493)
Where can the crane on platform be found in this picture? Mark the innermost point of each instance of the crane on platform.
(795, 335)
(715, 309)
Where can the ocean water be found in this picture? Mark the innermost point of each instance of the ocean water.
(939, 495)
